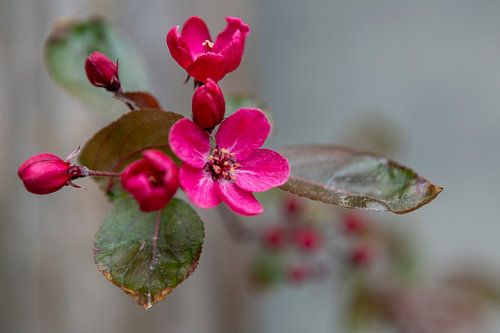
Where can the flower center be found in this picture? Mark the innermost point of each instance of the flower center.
(221, 164)
(155, 178)
(207, 45)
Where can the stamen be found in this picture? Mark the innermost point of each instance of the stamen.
(207, 45)
(221, 164)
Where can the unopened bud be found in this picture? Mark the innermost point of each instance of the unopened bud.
(209, 105)
(47, 173)
(102, 72)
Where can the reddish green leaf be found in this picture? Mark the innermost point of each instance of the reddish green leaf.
(123, 141)
(139, 99)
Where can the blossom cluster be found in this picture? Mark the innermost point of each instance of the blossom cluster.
(222, 158)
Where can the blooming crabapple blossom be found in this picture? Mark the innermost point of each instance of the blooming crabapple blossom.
(195, 51)
(234, 168)
(102, 72)
(152, 181)
(47, 173)
(208, 105)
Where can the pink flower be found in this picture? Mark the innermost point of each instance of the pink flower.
(292, 205)
(47, 173)
(308, 239)
(234, 168)
(353, 223)
(361, 256)
(298, 274)
(102, 72)
(152, 181)
(202, 58)
(208, 105)
(275, 238)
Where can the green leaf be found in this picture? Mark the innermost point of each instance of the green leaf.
(267, 270)
(146, 254)
(352, 179)
(123, 141)
(70, 43)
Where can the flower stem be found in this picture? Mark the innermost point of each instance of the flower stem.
(93, 173)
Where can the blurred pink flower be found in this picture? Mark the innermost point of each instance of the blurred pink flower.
(234, 168)
(308, 239)
(202, 58)
(152, 181)
(275, 238)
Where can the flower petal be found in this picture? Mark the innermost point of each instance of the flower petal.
(178, 48)
(199, 187)
(262, 170)
(231, 42)
(234, 24)
(243, 131)
(189, 142)
(208, 66)
(158, 159)
(239, 200)
(194, 34)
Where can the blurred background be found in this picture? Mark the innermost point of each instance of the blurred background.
(418, 80)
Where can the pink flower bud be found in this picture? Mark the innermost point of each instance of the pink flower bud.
(44, 173)
(208, 105)
(292, 205)
(297, 274)
(308, 239)
(353, 223)
(102, 72)
(152, 181)
(361, 256)
(274, 238)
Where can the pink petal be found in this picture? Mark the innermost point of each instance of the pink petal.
(243, 131)
(199, 187)
(225, 37)
(233, 52)
(239, 200)
(194, 33)
(158, 159)
(262, 170)
(178, 48)
(231, 42)
(208, 66)
(189, 142)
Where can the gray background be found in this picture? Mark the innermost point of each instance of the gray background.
(429, 69)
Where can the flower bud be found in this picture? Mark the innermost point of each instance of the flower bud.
(297, 274)
(353, 224)
(152, 181)
(361, 256)
(308, 239)
(293, 206)
(274, 238)
(208, 105)
(44, 173)
(102, 72)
